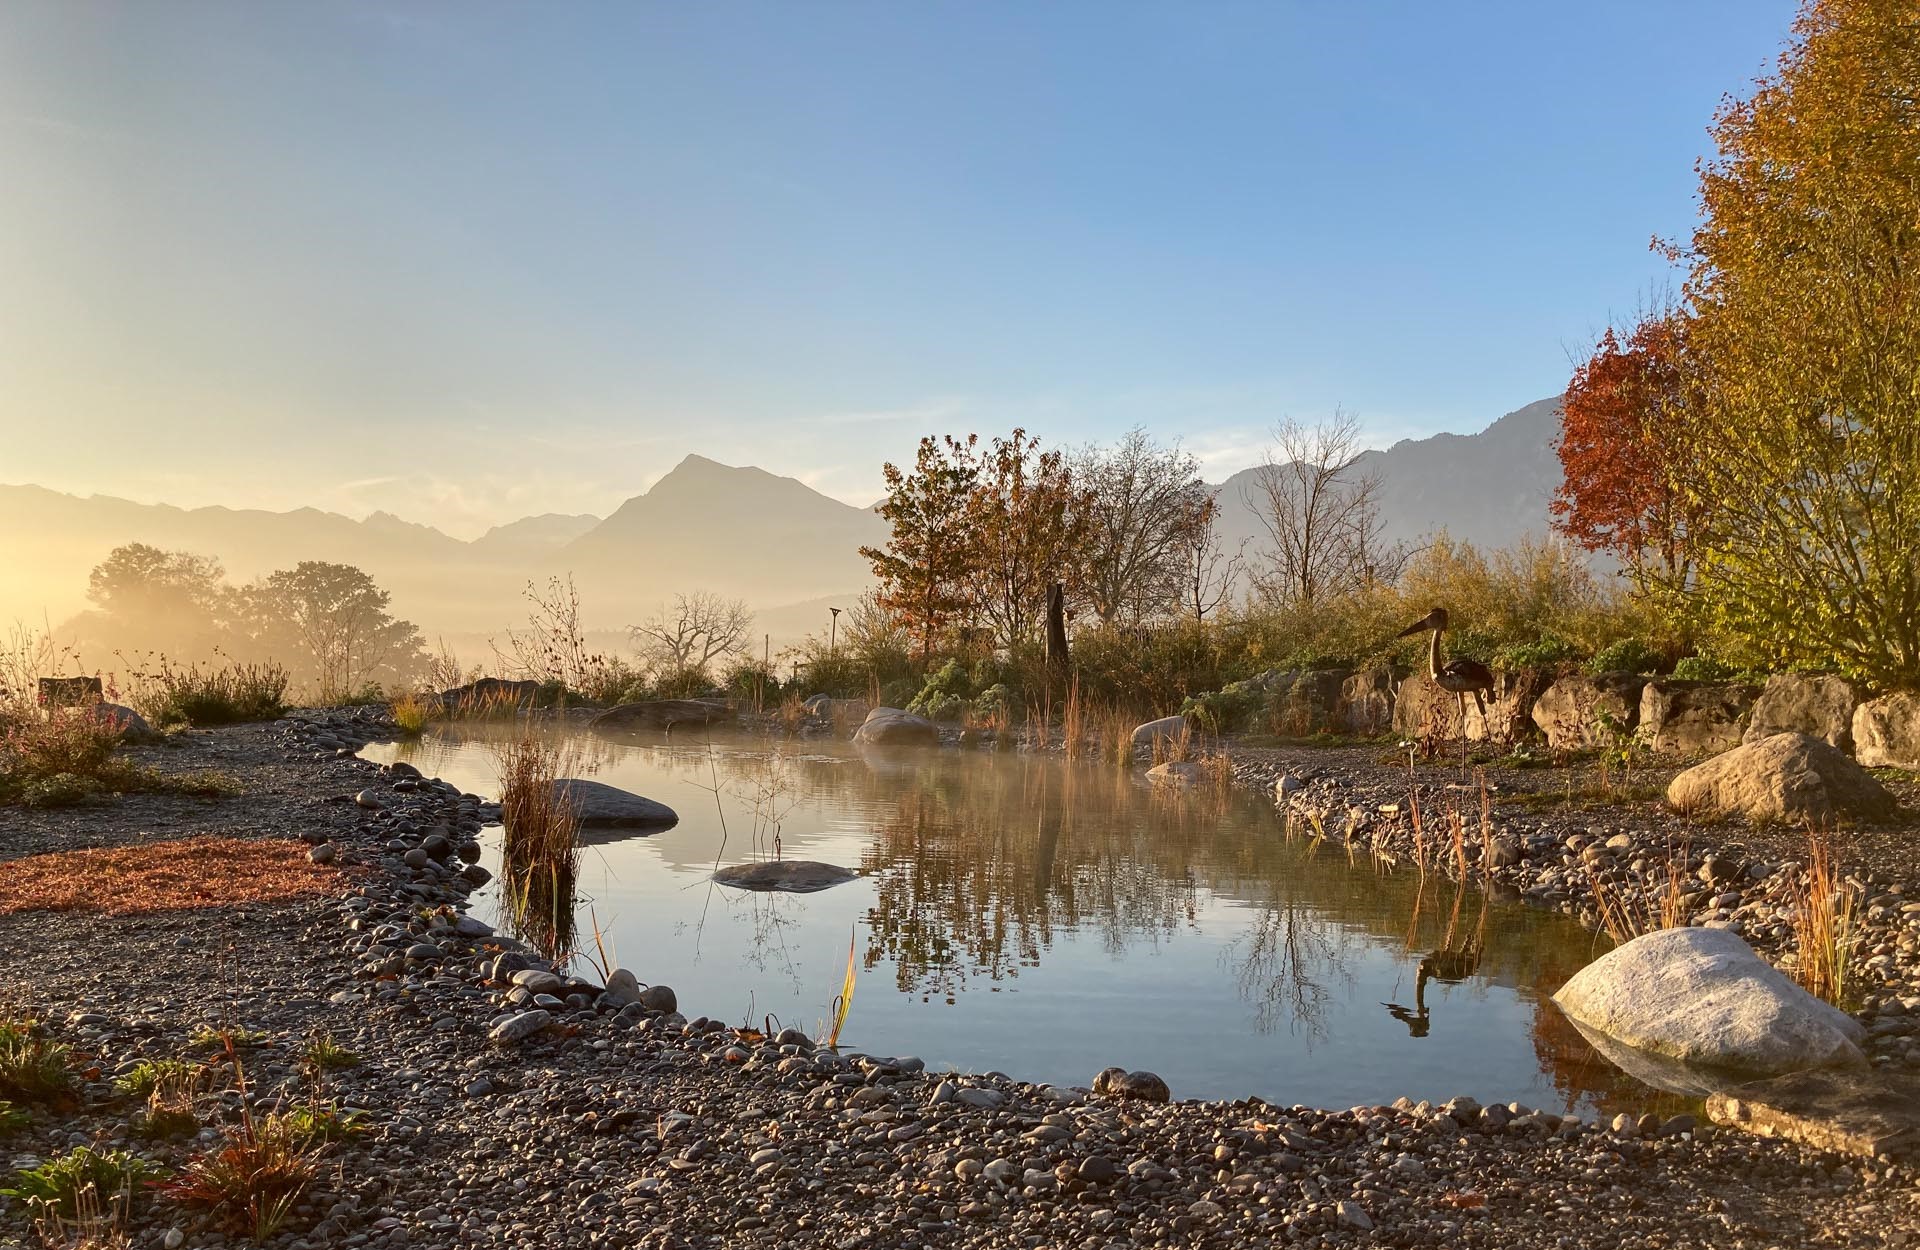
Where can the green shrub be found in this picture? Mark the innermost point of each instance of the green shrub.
(944, 693)
(1546, 651)
(1237, 707)
(12, 1118)
(1629, 655)
(1703, 668)
(55, 1184)
(312, 1124)
(995, 703)
(144, 1077)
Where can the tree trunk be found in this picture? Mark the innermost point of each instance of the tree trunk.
(1057, 659)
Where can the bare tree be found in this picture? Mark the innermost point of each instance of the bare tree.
(694, 632)
(1207, 573)
(1320, 511)
(1146, 507)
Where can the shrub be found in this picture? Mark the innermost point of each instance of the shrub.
(313, 1124)
(12, 1118)
(1702, 668)
(1629, 655)
(213, 696)
(1546, 651)
(59, 1183)
(33, 1067)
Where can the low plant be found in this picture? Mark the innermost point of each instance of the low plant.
(144, 1077)
(1626, 913)
(12, 1118)
(33, 1067)
(323, 1054)
(1703, 668)
(252, 1179)
(1629, 655)
(207, 1037)
(207, 695)
(313, 1124)
(58, 1185)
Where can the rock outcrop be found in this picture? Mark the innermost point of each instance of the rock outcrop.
(1886, 731)
(1819, 706)
(1789, 777)
(1701, 997)
(1689, 718)
(1572, 711)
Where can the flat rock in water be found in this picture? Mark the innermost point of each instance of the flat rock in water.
(1176, 773)
(657, 714)
(1859, 1113)
(599, 805)
(791, 876)
(1701, 997)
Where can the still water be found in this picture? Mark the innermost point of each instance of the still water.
(1048, 919)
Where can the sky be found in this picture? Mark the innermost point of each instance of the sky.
(467, 262)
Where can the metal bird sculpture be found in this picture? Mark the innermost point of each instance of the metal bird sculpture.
(1459, 675)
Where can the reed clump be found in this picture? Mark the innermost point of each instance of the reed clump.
(1825, 927)
(540, 850)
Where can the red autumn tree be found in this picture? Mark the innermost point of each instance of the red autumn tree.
(1618, 449)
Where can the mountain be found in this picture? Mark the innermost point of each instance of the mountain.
(1488, 488)
(741, 532)
(786, 549)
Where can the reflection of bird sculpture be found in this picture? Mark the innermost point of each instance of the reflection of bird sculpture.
(1449, 967)
(1459, 675)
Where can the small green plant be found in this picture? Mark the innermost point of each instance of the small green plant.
(58, 1183)
(316, 1123)
(33, 1067)
(1546, 651)
(12, 1118)
(1703, 668)
(206, 1037)
(326, 1055)
(144, 1077)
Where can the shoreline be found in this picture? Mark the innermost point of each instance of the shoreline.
(627, 1126)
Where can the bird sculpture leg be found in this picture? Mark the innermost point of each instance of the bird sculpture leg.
(1462, 697)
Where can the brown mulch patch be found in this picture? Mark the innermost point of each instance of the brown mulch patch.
(164, 876)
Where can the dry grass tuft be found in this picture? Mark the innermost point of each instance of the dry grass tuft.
(1824, 922)
(164, 876)
(541, 850)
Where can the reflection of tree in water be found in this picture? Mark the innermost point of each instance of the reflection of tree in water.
(1283, 964)
(975, 873)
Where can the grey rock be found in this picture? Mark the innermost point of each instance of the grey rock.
(1155, 730)
(658, 714)
(1886, 731)
(519, 1027)
(659, 998)
(1789, 777)
(597, 805)
(890, 726)
(325, 853)
(1819, 706)
(1701, 997)
(1692, 718)
(789, 876)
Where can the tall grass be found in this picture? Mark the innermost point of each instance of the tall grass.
(1626, 913)
(411, 714)
(1825, 925)
(541, 849)
(194, 694)
(253, 1178)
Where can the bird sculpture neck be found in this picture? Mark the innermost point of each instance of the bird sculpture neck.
(1433, 656)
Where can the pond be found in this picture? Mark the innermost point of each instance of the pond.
(1047, 919)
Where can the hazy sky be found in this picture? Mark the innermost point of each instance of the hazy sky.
(469, 261)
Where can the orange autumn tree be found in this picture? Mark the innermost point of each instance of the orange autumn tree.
(1618, 444)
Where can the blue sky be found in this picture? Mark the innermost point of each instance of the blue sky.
(469, 261)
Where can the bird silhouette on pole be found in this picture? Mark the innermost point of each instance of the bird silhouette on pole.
(1460, 675)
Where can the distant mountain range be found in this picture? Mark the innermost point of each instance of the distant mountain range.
(783, 547)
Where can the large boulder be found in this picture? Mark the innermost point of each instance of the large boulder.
(1886, 731)
(1701, 997)
(597, 805)
(1573, 711)
(1691, 718)
(1819, 706)
(128, 723)
(789, 876)
(1310, 703)
(1156, 730)
(658, 714)
(1366, 702)
(1789, 777)
(889, 726)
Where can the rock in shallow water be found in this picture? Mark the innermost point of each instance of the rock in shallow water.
(791, 876)
(1702, 997)
(598, 805)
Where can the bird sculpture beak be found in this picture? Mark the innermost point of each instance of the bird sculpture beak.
(1420, 626)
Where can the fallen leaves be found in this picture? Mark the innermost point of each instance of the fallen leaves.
(176, 875)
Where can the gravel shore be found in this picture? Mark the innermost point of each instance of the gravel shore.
(549, 1113)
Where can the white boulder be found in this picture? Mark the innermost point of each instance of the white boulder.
(1703, 998)
(1154, 730)
(1789, 777)
(1886, 731)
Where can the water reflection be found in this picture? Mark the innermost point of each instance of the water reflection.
(1024, 909)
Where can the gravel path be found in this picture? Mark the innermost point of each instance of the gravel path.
(615, 1123)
